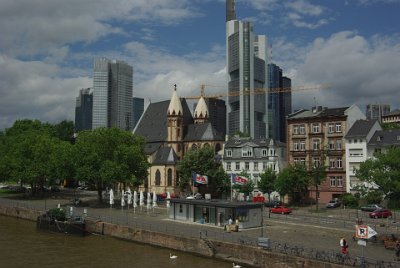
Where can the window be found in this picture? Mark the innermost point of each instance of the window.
(331, 145)
(265, 165)
(332, 163)
(316, 144)
(339, 181)
(158, 178)
(295, 146)
(331, 128)
(302, 129)
(356, 152)
(295, 129)
(296, 160)
(255, 165)
(302, 145)
(264, 152)
(303, 161)
(246, 165)
(338, 127)
(315, 128)
(317, 161)
(339, 163)
(228, 153)
(333, 181)
(169, 177)
(247, 152)
(272, 152)
(228, 165)
(237, 167)
(338, 144)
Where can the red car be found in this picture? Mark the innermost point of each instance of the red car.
(281, 210)
(380, 213)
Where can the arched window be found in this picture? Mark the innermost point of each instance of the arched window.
(217, 147)
(158, 178)
(206, 145)
(169, 177)
(194, 146)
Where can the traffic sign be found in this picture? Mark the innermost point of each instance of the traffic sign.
(364, 231)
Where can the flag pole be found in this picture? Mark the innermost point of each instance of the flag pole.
(231, 187)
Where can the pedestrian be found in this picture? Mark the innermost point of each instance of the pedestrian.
(397, 249)
(343, 245)
(230, 221)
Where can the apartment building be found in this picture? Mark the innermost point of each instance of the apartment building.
(316, 137)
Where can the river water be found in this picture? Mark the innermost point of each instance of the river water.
(21, 245)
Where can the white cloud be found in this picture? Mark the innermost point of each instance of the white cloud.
(305, 8)
(35, 90)
(359, 71)
(29, 27)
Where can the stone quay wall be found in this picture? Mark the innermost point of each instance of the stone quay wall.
(248, 255)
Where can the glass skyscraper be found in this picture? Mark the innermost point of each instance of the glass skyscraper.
(246, 55)
(112, 94)
(137, 109)
(83, 110)
(279, 103)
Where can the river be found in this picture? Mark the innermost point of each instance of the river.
(21, 245)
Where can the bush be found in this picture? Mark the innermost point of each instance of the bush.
(349, 200)
(373, 197)
(57, 214)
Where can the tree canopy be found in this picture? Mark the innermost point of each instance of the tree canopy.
(291, 180)
(109, 155)
(383, 170)
(267, 182)
(203, 161)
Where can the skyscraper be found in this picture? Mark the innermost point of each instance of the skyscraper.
(137, 109)
(112, 94)
(246, 55)
(279, 104)
(83, 110)
(376, 111)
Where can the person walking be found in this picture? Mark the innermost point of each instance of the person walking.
(343, 245)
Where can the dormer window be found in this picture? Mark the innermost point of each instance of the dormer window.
(247, 152)
(228, 153)
(264, 152)
(378, 138)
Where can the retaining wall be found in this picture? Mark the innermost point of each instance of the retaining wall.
(249, 255)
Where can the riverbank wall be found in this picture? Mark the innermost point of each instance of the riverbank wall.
(247, 255)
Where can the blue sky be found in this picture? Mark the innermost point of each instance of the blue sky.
(47, 48)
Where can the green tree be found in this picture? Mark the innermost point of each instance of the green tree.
(29, 154)
(317, 176)
(247, 187)
(291, 180)
(109, 155)
(391, 125)
(64, 130)
(267, 182)
(202, 161)
(383, 170)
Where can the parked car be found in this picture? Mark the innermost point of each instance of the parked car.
(380, 213)
(333, 204)
(273, 203)
(281, 210)
(371, 207)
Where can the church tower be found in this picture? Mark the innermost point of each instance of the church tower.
(175, 124)
(201, 114)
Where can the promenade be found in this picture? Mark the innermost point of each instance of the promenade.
(300, 234)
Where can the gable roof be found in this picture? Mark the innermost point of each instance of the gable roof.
(203, 132)
(153, 125)
(237, 142)
(385, 138)
(165, 156)
(320, 112)
(394, 112)
(360, 128)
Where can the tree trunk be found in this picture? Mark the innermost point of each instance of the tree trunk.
(316, 197)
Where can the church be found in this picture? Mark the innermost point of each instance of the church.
(170, 130)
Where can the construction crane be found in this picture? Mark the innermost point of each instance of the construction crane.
(256, 91)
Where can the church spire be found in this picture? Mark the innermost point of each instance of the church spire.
(175, 106)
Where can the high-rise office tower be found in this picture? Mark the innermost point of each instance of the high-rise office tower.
(376, 111)
(279, 104)
(246, 55)
(83, 110)
(112, 94)
(137, 109)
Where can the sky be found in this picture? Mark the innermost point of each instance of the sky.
(47, 50)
